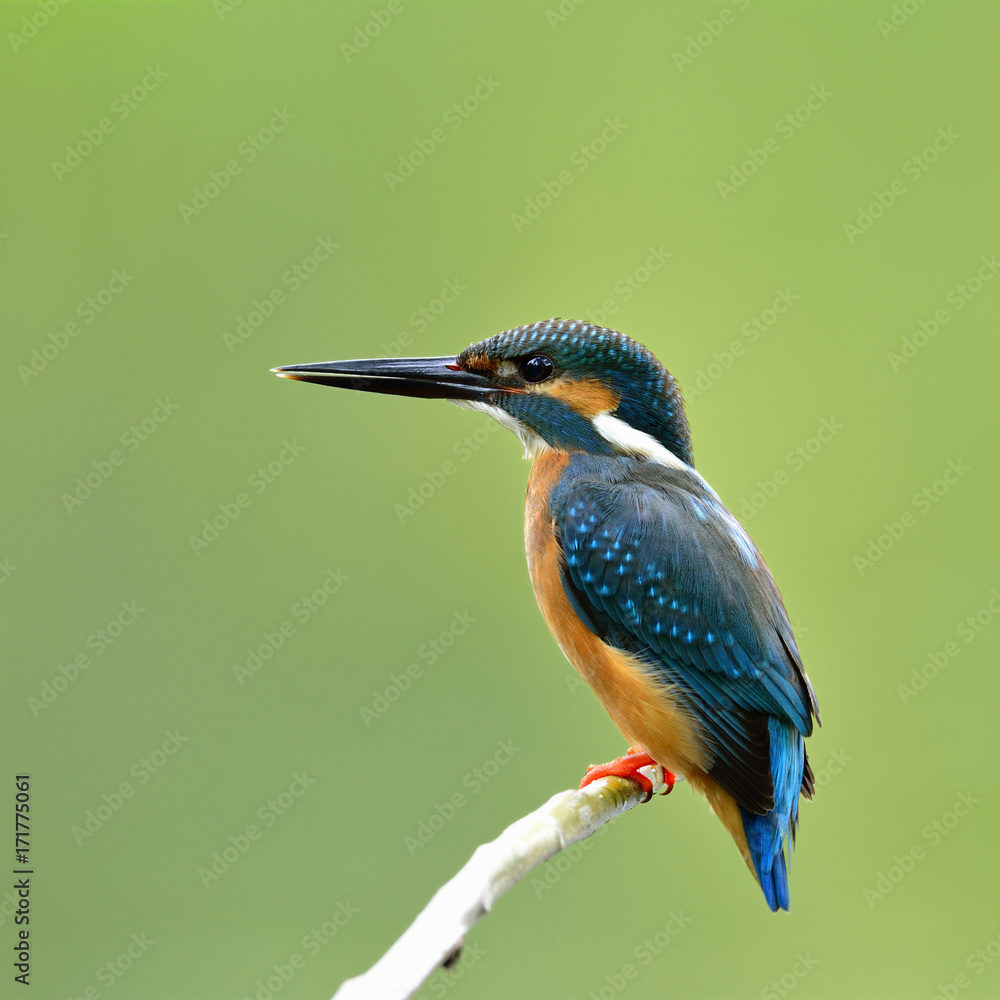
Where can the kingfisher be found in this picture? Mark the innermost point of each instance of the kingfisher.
(651, 587)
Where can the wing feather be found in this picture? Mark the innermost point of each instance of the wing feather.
(655, 565)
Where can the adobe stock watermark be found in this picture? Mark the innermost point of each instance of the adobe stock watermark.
(40, 18)
(246, 152)
(96, 644)
(423, 316)
(472, 954)
(580, 160)
(268, 814)
(473, 783)
(695, 45)
(88, 310)
(224, 7)
(958, 298)
(454, 118)
(131, 439)
(281, 974)
(292, 279)
(6, 570)
(931, 836)
(644, 953)
(142, 770)
(913, 169)
(121, 108)
(751, 331)
(562, 12)
(977, 962)
(899, 16)
(9, 907)
(787, 126)
(627, 285)
(431, 482)
(301, 611)
(368, 31)
(796, 460)
(111, 972)
(780, 988)
(550, 874)
(923, 501)
(937, 660)
(428, 654)
(230, 510)
(831, 768)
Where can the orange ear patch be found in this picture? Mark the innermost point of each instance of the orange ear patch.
(587, 396)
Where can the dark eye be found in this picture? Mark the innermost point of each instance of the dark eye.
(537, 368)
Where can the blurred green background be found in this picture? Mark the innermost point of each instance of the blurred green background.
(793, 205)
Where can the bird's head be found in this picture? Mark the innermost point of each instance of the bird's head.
(559, 384)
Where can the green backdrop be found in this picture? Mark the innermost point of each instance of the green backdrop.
(271, 657)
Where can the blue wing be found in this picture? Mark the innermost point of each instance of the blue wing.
(654, 564)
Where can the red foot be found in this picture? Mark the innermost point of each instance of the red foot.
(633, 765)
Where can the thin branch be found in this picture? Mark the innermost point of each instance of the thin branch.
(435, 938)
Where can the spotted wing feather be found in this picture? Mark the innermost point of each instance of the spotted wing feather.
(655, 565)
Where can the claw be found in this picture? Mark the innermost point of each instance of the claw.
(637, 765)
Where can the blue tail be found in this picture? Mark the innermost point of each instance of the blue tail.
(767, 834)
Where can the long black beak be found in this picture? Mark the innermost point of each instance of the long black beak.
(431, 378)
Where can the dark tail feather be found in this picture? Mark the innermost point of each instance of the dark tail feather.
(808, 782)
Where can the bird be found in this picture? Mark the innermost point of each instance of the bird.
(651, 587)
